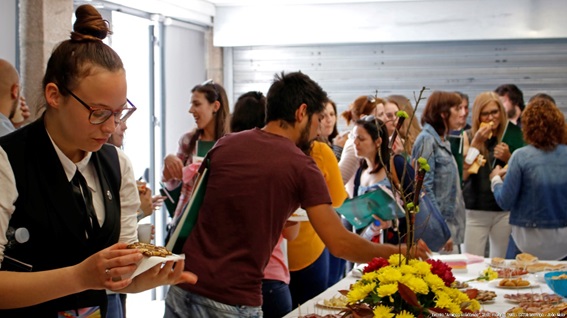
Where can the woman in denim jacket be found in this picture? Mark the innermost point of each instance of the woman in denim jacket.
(441, 114)
(535, 188)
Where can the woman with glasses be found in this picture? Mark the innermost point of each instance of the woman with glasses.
(209, 107)
(486, 221)
(442, 113)
(74, 196)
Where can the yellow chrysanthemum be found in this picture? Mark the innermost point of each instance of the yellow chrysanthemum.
(383, 312)
(396, 259)
(418, 285)
(385, 290)
(442, 299)
(371, 276)
(454, 308)
(408, 270)
(457, 295)
(359, 292)
(490, 274)
(421, 268)
(389, 274)
(435, 282)
(474, 306)
(405, 314)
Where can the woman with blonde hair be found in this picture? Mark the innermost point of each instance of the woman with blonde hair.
(410, 128)
(486, 221)
(535, 187)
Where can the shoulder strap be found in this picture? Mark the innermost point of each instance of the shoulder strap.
(357, 181)
(394, 173)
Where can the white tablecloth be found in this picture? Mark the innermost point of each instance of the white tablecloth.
(500, 305)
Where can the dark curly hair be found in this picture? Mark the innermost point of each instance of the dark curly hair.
(543, 125)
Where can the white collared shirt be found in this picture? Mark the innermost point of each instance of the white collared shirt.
(129, 197)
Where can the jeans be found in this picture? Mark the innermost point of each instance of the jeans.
(483, 226)
(114, 306)
(310, 281)
(276, 298)
(183, 304)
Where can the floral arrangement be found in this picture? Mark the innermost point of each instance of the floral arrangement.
(401, 288)
(487, 275)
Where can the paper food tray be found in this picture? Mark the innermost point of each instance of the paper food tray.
(149, 262)
(299, 215)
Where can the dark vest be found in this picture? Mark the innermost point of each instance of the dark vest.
(46, 207)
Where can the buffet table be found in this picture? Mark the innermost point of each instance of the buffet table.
(498, 305)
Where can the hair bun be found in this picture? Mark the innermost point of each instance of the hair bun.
(89, 26)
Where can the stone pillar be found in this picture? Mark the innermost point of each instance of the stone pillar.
(43, 24)
(213, 59)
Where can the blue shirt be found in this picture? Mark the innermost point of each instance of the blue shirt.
(6, 125)
(535, 188)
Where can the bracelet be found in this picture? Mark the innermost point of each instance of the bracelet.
(471, 155)
(139, 215)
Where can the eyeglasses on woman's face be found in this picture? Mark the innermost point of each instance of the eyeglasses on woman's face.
(493, 113)
(98, 116)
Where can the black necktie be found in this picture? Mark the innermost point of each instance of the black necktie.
(84, 199)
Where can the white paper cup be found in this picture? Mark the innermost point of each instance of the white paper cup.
(145, 233)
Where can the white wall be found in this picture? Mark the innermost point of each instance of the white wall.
(389, 21)
(8, 45)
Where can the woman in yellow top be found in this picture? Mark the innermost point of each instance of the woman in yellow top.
(308, 257)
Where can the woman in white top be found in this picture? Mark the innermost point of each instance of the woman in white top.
(76, 196)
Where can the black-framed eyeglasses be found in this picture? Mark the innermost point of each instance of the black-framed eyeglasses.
(492, 112)
(100, 115)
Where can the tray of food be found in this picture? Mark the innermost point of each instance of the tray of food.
(337, 302)
(513, 283)
(153, 255)
(511, 272)
(482, 296)
(460, 285)
(533, 297)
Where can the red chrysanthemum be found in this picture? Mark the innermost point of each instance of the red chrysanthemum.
(375, 264)
(442, 270)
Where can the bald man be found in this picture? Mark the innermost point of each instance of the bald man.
(10, 99)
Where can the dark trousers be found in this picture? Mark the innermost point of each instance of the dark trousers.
(276, 297)
(310, 281)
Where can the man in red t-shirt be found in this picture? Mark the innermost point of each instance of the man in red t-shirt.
(257, 178)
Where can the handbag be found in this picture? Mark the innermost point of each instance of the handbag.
(429, 224)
